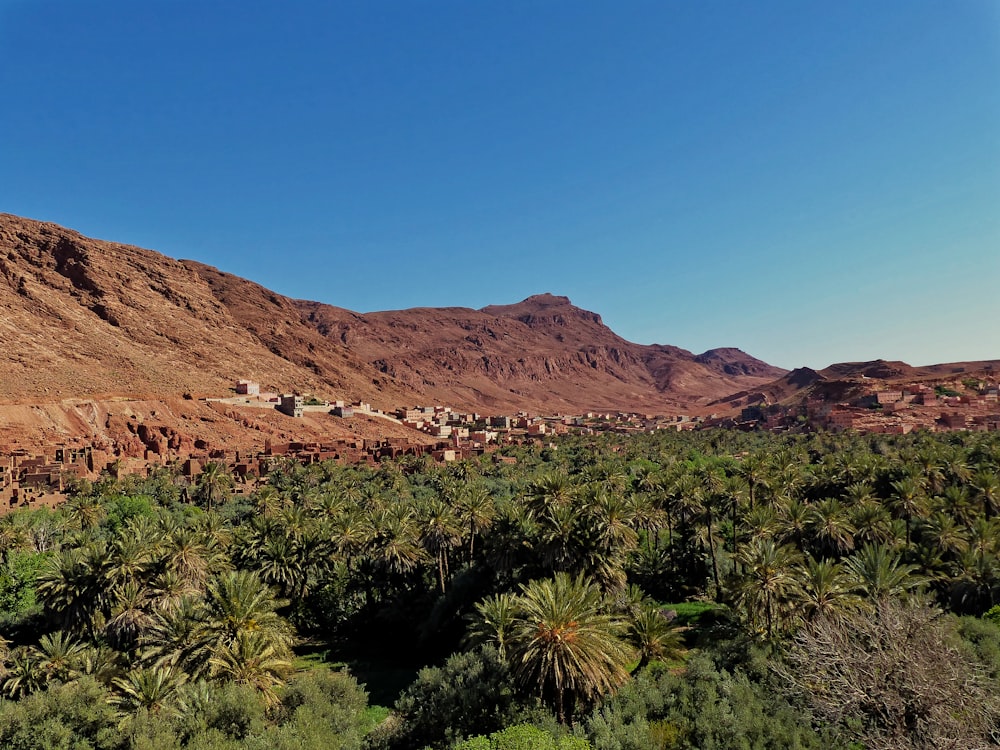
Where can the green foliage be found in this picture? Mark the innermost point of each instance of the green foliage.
(17, 586)
(523, 737)
(75, 715)
(691, 613)
(326, 697)
(983, 638)
(704, 708)
(121, 508)
(471, 694)
(187, 611)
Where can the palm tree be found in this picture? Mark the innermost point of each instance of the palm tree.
(151, 688)
(975, 582)
(986, 487)
(872, 523)
(180, 637)
(281, 562)
(824, 589)
(878, 573)
(494, 621)
(395, 545)
(130, 558)
(23, 673)
(558, 537)
(213, 482)
(549, 490)
(956, 502)
(192, 555)
(59, 656)
(72, 586)
(943, 533)
(239, 602)
(753, 470)
(565, 645)
(87, 511)
(441, 533)
(794, 518)
(130, 616)
(908, 500)
(831, 528)
(254, 660)
(476, 511)
(653, 634)
(769, 582)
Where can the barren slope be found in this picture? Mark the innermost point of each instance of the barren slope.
(542, 353)
(87, 318)
(81, 317)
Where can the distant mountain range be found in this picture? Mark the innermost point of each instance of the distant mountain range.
(88, 318)
(84, 318)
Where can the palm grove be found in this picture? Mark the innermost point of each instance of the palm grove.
(706, 590)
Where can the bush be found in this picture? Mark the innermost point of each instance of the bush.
(706, 708)
(523, 737)
(75, 715)
(471, 694)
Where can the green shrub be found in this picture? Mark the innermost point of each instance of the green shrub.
(523, 737)
(471, 694)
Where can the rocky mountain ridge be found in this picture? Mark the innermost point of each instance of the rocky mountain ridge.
(83, 318)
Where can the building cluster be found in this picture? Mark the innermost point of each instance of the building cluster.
(898, 410)
(29, 480)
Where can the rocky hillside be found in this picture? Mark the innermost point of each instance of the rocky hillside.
(88, 318)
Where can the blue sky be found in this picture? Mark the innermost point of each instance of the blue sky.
(810, 182)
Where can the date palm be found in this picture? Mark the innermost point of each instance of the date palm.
(440, 534)
(493, 622)
(59, 656)
(254, 660)
(653, 634)
(754, 471)
(975, 581)
(878, 573)
(908, 500)
(793, 519)
(769, 583)
(824, 590)
(986, 488)
(180, 637)
(240, 602)
(395, 545)
(565, 645)
(130, 615)
(944, 534)
(151, 688)
(24, 673)
(72, 586)
(475, 510)
(831, 527)
(213, 484)
(872, 523)
(548, 491)
(192, 555)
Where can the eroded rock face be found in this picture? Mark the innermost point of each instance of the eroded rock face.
(87, 318)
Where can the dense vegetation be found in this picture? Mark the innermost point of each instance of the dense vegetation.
(829, 591)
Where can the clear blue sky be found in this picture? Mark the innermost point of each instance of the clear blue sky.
(811, 182)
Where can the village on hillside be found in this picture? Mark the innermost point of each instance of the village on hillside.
(31, 479)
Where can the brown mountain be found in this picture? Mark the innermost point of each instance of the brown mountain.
(88, 318)
(844, 381)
